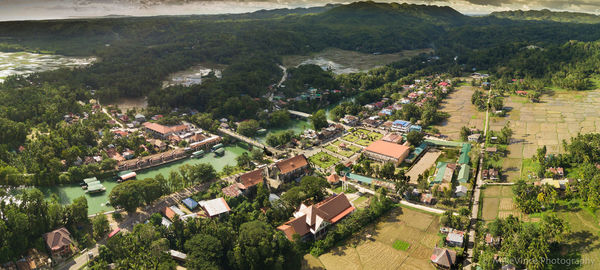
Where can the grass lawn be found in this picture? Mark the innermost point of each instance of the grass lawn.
(339, 151)
(323, 160)
(529, 168)
(349, 190)
(350, 137)
(360, 200)
(401, 245)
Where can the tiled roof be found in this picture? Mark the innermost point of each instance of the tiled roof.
(389, 149)
(291, 164)
(58, 238)
(251, 178)
(232, 191)
(443, 257)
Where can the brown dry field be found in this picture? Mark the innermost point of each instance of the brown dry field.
(462, 113)
(498, 202)
(424, 163)
(557, 117)
(417, 228)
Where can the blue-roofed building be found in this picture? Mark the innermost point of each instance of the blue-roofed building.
(385, 112)
(401, 125)
(415, 128)
(190, 203)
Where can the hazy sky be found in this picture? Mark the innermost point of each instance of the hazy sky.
(58, 9)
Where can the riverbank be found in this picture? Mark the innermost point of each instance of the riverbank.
(97, 202)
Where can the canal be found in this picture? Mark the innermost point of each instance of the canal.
(97, 202)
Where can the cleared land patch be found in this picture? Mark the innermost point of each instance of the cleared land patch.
(403, 239)
(343, 61)
(426, 161)
(462, 113)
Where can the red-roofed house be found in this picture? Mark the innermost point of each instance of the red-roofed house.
(333, 179)
(59, 242)
(289, 169)
(443, 258)
(315, 219)
(250, 179)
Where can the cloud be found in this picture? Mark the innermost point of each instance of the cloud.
(495, 3)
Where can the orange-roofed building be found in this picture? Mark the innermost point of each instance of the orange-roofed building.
(289, 169)
(315, 219)
(387, 151)
(333, 179)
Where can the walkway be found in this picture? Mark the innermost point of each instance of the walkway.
(253, 142)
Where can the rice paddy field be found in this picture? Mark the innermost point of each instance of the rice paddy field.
(404, 239)
(21, 63)
(462, 113)
(498, 203)
(557, 117)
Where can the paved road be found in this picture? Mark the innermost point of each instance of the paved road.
(78, 261)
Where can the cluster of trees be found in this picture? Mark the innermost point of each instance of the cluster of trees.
(280, 138)
(579, 161)
(308, 75)
(525, 245)
(132, 194)
(480, 100)
(319, 120)
(533, 199)
(246, 238)
(503, 136)
(23, 224)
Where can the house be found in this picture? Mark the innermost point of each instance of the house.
(140, 118)
(172, 211)
(557, 172)
(557, 184)
(232, 191)
(474, 137)
(508, 267)
(393, 138)
(290, 169)
(461, 191)
(444, 173)
(387, 125)
(314, 220)
(158, 144)
(333, 179)
(350, 120)
(493, 174)
(251, 179)
(162, 131)
(331, 131)
(190, 203)
(387, 152)
(59, 242)
(464, 154)
(443, 258)
(177, 255)
(491, 240)
(416, 128)
(455, 238)
(401, 125)
(372, 122)
(427, 198)
(491, 150)
(215, 207)
(463, 174)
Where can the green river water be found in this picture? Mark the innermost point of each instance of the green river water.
(97, 202)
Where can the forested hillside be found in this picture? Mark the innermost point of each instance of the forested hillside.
(547, 15)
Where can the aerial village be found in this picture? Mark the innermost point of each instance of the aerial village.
(357, 155)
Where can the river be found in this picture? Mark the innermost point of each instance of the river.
(97, 202)
(20, 63)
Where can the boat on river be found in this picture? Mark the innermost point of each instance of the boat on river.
(198, 154)
(126, 175)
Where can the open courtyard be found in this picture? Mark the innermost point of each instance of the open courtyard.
(403, 239)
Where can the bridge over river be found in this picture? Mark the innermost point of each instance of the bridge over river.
(273, 150)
